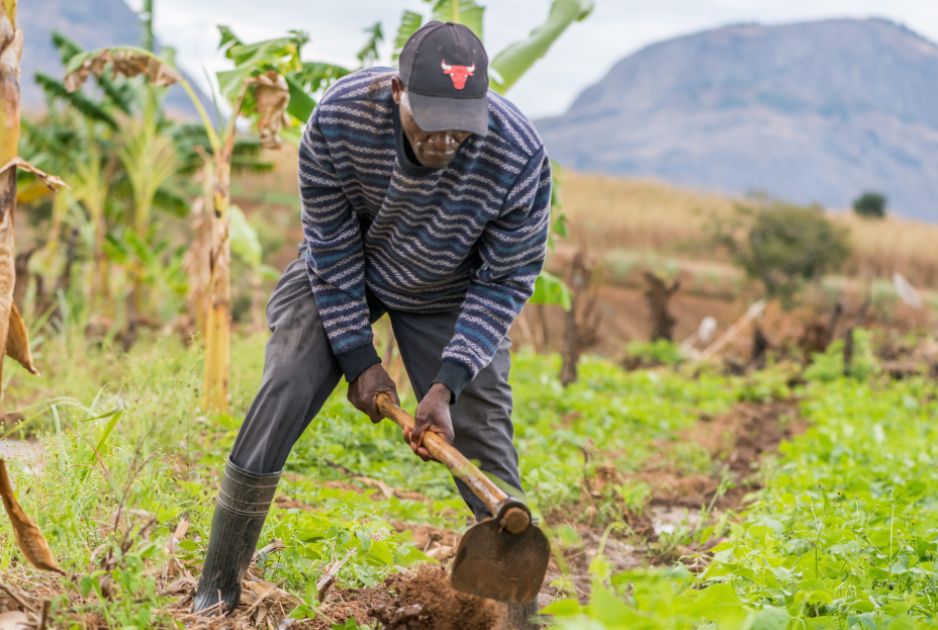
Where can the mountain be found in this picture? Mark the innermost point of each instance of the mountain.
(809, 112)
(89, 23)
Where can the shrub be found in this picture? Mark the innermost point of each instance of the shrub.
(641, 354)
(784, 246)
(870, 205)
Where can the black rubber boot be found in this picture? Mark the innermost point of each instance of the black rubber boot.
(522, 616)
(243, 501)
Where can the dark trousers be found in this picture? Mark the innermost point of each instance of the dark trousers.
(300, 372)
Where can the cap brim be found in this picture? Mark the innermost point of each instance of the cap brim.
(438, 113)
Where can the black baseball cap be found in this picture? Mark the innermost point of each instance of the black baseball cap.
(445, 70)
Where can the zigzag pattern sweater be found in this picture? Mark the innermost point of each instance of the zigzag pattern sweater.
(471, 236)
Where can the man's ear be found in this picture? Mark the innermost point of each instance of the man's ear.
(397, 88)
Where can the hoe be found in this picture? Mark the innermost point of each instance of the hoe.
(503, 557)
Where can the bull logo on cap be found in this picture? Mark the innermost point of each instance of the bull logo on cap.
(458, 74)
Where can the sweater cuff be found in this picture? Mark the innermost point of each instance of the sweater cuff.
(356, 361)
(455, 376)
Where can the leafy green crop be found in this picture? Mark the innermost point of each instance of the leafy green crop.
(844, 535)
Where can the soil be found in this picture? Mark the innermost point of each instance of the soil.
(423, 598)
(418, 600)
(735, 441)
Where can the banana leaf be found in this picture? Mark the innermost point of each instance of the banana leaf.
(510, 64)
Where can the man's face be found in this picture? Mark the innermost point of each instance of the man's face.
(433, 149)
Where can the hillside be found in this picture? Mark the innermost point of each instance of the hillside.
(810, 112)
(90, 23)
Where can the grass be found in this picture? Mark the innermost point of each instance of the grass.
(607, 214)
(128, 455)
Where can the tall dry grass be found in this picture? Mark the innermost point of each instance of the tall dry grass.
(611, 213)
(649, 217)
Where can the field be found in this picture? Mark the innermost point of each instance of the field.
(672, 498)
(708, 441)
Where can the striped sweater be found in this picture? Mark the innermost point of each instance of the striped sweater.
(471, 236)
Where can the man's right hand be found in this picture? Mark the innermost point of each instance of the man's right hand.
(364, 389)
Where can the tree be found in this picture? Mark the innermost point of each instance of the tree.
(870, 205)
(784, 246)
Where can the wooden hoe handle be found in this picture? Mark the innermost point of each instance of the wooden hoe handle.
(515, 518)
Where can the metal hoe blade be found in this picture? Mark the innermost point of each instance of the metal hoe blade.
(493, 563)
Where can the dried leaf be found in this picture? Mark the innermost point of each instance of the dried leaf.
(14, 620)
(271, 95)
(51, 181)
(18, 342)
(30, 538)
(124, 60)
(7, 274)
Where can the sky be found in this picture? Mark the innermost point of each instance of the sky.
(582, 55)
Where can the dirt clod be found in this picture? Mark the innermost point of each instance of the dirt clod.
(424, 600)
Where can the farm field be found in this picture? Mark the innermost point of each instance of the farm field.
(726, 408)
(672, 499)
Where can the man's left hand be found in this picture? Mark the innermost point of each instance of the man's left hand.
(432, 415)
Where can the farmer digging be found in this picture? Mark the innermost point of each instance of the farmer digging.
(425, 197)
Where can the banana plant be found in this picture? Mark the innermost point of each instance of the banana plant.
(120, 164)
(512, 62)
(13, 337)
(268, 84)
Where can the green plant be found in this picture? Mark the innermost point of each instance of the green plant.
(652, 353)
(870, 205)
(831, 364)
(783, 246)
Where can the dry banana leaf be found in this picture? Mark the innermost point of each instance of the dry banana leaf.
(30, 539)
(51, 181)
(271, 96)
(124, 60)
(18, 342)
(7, 276)
(14, 620)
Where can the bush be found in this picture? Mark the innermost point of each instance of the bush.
(642, 354)
(870, 205)
(831, 364)
(784, 246)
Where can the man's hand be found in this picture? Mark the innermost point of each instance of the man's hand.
(432, 415)
(363, 390)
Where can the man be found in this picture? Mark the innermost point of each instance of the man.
(425, 197)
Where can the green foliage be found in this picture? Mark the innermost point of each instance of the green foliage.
(652, 353)
(244, 241)
(508, 65)
(54, 90)
(410, 22)
(784, 246)
(842, 536)
(549, 289)
(830, 365)
(514, 61)
(870, 205)
(368, 54)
